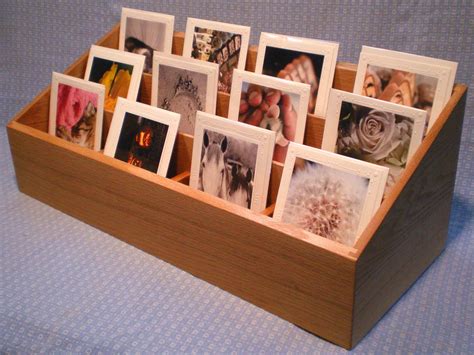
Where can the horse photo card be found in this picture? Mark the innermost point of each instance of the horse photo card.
(232, 160)
(142, 135)
(302, 60)
(76, 110)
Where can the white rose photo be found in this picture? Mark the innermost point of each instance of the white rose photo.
(368, 130)
(376, 137)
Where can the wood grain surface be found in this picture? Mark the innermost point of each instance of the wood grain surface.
(410, 229)
(302, 278)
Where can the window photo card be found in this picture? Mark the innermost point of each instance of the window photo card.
(217, 42)
(120, 72)
(327, 194)
(374, 131)
(142, 135)
(76, 110)
(185, 86)
(276, 104)
(302, 60)
(143, 32)
(406, 79)
(232, 161)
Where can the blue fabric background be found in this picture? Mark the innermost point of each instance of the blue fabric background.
(65, 286)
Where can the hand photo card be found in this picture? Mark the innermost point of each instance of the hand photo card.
(76, 110)
(327, 194)
(276, 104)
(218, 42)
(142, 135)
(302, 60)
(232, 161)
(185, 86)
(374, 131)
(120, 72)
(143, 32)
(406, 79)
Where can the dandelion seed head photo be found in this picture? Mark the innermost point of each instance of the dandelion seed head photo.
(326, 201)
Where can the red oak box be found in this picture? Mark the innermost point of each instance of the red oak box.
(332, 290)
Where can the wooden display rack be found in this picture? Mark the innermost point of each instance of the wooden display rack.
(329, 289)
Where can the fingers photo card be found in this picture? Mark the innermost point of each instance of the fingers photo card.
(276, 104)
